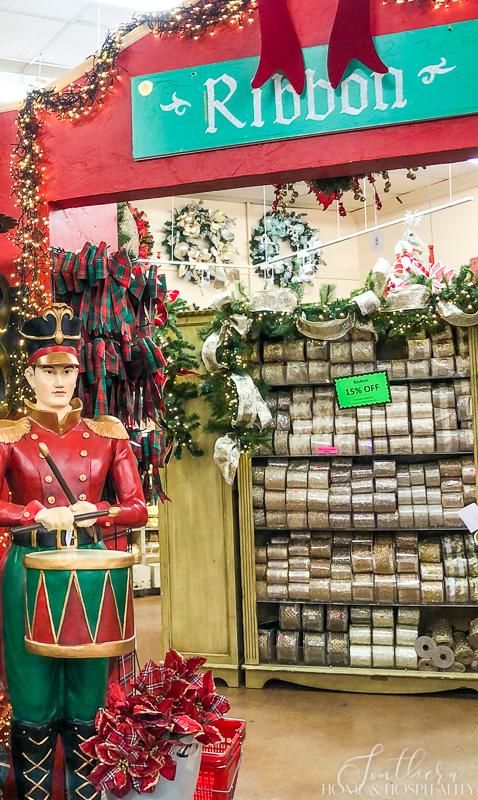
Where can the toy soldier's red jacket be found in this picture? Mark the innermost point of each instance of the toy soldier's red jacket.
(85, 450)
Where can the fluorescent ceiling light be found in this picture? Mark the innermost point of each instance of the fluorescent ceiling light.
(142, 5)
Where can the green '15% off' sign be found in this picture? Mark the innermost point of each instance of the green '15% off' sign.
(363, 390)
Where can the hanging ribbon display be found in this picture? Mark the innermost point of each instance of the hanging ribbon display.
(252, 410)
(214, 341)
(122, 370)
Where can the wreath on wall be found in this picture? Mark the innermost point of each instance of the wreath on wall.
(134, 231)
(266, 239)
(203, 239)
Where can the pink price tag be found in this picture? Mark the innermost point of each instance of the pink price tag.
(474, 264)
(327, 451)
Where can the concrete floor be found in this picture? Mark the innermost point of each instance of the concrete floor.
(304, 745)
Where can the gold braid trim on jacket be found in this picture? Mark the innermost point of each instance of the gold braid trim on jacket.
(107, 426)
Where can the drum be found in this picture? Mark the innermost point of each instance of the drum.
(79, 603)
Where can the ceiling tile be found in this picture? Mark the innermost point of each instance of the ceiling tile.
(53, 9)
(23, 42)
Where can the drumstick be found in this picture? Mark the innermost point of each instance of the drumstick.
(113, 511)
(49, 460)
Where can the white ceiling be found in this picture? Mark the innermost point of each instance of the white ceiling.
(41, 40)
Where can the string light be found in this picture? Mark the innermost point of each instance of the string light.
(32, 268)
(436, 4)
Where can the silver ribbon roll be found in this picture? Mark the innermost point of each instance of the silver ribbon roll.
(360, 655)
(405, 658)
(383, 656)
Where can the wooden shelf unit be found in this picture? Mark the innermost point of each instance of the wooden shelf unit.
(346, 679)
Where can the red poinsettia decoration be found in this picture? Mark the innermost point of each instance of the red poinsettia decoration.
(146, 238)
(137, 731)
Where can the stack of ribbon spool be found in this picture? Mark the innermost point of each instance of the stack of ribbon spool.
(447, 649)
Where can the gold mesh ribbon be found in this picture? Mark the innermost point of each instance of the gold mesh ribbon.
(413, 296)
(278, 300)
(333, 329)
(239, 323)
(455, 316)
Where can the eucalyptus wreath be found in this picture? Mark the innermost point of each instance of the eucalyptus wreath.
(294, 229)
(203, 239)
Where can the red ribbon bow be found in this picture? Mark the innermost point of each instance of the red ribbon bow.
(351, 38)
(281, 50)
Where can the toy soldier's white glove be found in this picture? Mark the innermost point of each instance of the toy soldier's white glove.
(56, 519)
(83, 507)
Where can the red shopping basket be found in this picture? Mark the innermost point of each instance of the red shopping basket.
(220, 762)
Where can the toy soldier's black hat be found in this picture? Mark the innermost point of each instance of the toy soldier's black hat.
(52, 339)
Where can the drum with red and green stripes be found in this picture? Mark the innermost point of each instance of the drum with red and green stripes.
(79, 603)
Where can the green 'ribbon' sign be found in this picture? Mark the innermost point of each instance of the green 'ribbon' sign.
(363, 390)
(432, 75)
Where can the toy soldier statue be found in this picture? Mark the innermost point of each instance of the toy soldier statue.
(52, 696)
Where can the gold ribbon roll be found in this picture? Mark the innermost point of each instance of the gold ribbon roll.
(409, 617)
(287, 647)
(315, 652)
(313, 618)
(442, 632)
(473, 634)
(338, 652)
(290, 617)
(463, 652)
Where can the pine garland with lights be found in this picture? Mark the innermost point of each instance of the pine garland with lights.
(177, 423)
(75, 102)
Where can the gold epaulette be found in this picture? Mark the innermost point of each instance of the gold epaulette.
(12, 430)
(110, 427)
